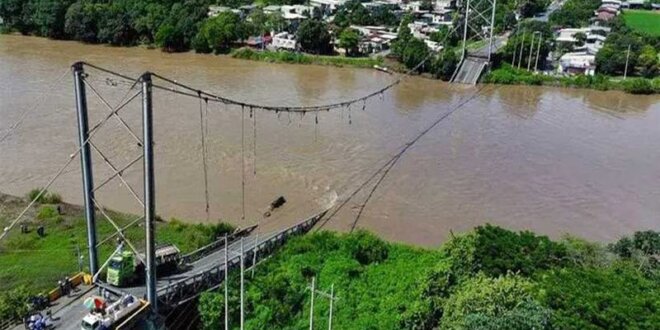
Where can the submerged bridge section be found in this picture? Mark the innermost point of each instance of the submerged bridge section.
(470, 70)
(475, 62)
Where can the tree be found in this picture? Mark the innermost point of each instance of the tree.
(81, 21)
(169, 38)
(648, 61)
(275, 22)
(414, 53)
(614, 297)
(48, 16)
(581, 38)
(574, 13)
(313, 37)
(445, 64)
(483, 300)
(221, 31)
(402, 37)
(611, 59)
(349, 40)
(256, 22)
(445, 36)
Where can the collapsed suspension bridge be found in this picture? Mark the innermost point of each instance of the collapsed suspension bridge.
(207, 267)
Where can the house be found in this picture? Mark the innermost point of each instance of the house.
(330, 5)
(636, 4)
(284, 40)
(577, 63)
(444, 4)
(568, 35)
(605, 13)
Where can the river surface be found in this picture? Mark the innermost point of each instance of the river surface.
(550, 160)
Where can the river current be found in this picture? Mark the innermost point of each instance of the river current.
(551, 160)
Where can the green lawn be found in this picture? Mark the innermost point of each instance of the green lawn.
(646, 21)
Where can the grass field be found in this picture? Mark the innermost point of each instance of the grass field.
(645, 21)
(38, 262)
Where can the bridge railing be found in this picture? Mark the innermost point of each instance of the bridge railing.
(182, 291)
(214, 246)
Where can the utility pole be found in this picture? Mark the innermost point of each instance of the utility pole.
(513, 56)
(254, 254)
(149, 189)
(522, 45)
(492, 26)
(226, 285)
(538, 50)
(625, 72)
(311, 305)
(465, 28)
(242, 287)
(531, 47)
(332, 299)
(330, 296)
(86, 164)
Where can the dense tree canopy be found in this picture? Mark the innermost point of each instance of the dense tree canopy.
(349, 40)
(172, 24)
(490, 278)
(218, 33)
(313, 37)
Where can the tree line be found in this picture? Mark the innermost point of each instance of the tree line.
(488, 278)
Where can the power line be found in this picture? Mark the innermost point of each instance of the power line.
(25, 112)
(390, 163)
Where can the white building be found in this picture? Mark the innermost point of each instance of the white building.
(577, 63)
(284, 40)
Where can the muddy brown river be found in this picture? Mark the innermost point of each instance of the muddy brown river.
(550, 160)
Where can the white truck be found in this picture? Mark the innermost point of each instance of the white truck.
(110, 316)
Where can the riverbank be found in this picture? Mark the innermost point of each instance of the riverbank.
(488, 278)
(507, 75)
(303, 58)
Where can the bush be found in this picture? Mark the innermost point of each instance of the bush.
(499, 251)
(366, 248)
(617, 297)
(638, 86)
(14, 303)
(45, 198)
(482, 299)
(47, 212)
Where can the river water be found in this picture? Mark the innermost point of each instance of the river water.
(550, 160)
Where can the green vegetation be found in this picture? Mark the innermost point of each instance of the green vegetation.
(416, 56)
(507, 75)
(302, 58)
(171, 24)
(574, 13)
(643, 59)
(313, 37)
(645, 21)
(29, 263)
(490, 278)
(45, 198)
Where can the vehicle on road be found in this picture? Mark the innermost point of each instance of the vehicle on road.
(103, 317)
(124, 268)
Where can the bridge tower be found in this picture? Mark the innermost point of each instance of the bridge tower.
(148, 199)
(476, 24)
